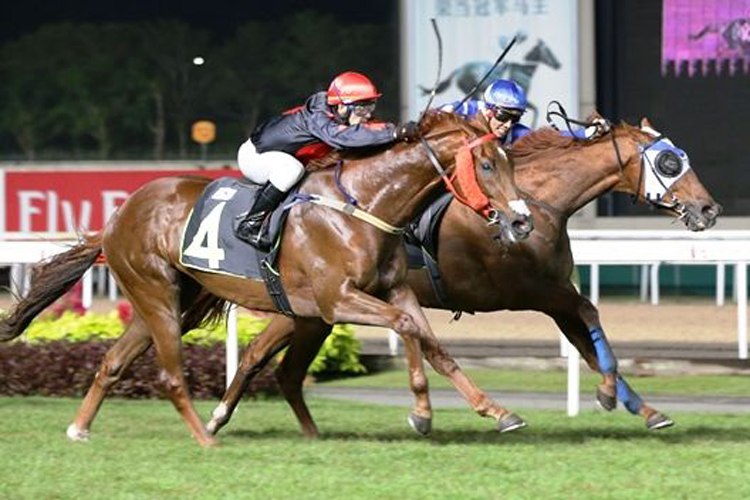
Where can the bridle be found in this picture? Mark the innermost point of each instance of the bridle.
(662, 163)
(463, 182)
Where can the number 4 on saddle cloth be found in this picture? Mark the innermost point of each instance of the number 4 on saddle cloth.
(209, 243)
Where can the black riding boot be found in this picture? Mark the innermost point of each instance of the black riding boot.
(250, 228)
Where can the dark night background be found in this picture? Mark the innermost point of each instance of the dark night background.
(705, 115)
(263, 57)
(220, 17)
(102, 80)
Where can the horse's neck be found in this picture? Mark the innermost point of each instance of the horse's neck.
(571, 178)
(395, 185)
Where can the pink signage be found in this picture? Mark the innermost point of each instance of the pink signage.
(698, 34)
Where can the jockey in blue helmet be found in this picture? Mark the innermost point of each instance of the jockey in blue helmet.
(503, 104)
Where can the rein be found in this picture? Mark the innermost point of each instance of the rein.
(605, 126)
(464, 177)
(533, 201)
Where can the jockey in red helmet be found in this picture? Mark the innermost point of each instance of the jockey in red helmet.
(337, 118)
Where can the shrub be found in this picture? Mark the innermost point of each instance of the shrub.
(339, 353)
(61, 355)
(64, 368)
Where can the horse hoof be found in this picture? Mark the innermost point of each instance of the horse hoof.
(605, 401)
(78, 435)
(218, 419)
(212, 427)
(510, 422)
(420, 424)
(208, 442)
(658, 421)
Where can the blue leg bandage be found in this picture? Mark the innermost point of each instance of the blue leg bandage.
(629, 398)
(604, 355)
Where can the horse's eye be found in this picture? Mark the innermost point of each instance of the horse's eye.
(487, 166)
(668, 164)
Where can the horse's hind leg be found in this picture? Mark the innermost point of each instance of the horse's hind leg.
(420, 417)
(579, 321)
(153, 289)
(264, 347)
(309, 335)
(133, 342)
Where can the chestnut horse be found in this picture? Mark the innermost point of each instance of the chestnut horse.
(334, 268)
(560, 175)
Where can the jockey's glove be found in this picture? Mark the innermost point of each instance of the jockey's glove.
(408, 132)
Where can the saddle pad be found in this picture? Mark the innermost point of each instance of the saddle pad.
(208, 240)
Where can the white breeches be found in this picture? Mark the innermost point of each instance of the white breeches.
(280, 169)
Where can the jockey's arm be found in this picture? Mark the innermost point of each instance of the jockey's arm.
(467, 108)
(342, 136)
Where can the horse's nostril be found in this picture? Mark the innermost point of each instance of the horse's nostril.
(711, 211)
(522, 226)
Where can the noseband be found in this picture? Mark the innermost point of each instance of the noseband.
(464, 177)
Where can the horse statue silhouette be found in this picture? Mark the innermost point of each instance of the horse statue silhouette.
(468, 75)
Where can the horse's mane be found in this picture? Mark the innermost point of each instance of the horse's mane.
(431, 120)
(544, 139)
(549, 140)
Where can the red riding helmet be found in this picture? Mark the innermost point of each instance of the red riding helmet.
(351, 87)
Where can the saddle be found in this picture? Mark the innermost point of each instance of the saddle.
(209, 242)
(422, 243)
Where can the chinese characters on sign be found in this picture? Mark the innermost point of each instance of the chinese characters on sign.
(484, 8)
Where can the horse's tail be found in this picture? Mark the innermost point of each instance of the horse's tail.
(205, 310)
(50, 279)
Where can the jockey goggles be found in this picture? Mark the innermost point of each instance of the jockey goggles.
(362, 108)
(504, 115)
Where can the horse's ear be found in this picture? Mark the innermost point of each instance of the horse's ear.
(645, 123)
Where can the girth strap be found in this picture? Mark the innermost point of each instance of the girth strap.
(436, 280)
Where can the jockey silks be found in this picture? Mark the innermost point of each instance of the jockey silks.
(315, 123)
(472, 107)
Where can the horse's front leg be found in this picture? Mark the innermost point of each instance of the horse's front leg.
(309, 335)
(403, 315)
(580, 324)
(274, 337)
(404, 298)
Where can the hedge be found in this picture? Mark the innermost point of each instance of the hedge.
(64, 368)
(59, 356)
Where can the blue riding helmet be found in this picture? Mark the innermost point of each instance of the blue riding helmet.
(506, 94)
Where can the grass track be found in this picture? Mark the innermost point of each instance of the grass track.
(141, 449)
(556, 381)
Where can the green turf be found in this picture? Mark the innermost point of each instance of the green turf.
(141, 449)
(556, 381)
